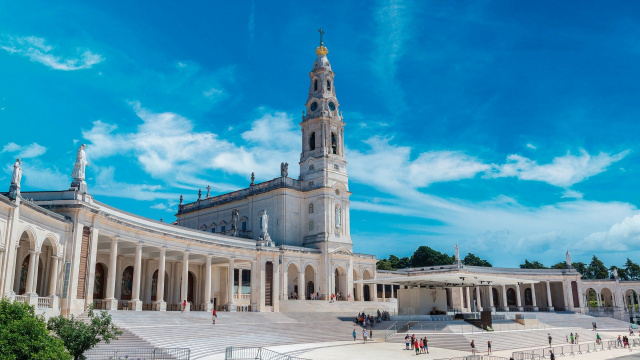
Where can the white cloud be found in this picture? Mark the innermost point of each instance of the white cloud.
(622, 236)
(563, 171)
(37, 50)
(531, 146)
(168, 147)
(25, 152)
(572, 194)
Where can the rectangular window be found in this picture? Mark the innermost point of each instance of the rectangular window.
(310, 225)
(244, 226)
(222, 229)
(65, 281)
(310, 183)
(213, 230)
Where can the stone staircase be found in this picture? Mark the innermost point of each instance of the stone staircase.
(561, 319)
(354, 307)
(126, 340)
(194, 329)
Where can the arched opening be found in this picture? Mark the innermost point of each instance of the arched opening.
(315, 85)
(293, 274)
(340, 282)
(328, 85)
(98, 281)
(528, 298)
(496, 298)
(607, 297)
(154, 286)
(48, 250)
(354, 291)
(367, 289)
(310, 276)
(631, 299)
(511, 297)
(312, 141)
(334, 143)
(366, 293)
(26, 242)
(24, 271)
(127, 283)
(592, 298)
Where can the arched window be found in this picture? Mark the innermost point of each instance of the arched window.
(315, 85)
(312, 141)
(334, 143)
(511, 297)
(311, 208)
(528, 299)
(329, 85)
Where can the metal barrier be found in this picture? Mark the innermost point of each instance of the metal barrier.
(141, 353)
(562, 350)
(255, 353)
(475, 357)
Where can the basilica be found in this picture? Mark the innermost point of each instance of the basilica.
(261, 248)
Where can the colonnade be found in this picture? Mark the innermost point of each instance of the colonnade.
(485, 297)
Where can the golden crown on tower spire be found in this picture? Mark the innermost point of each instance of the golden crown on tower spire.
(321, 50)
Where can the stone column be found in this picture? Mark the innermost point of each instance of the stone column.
(207, 284)
(239, 284)
(184, 291)
(160, 303)
(276, 285)
(230, 304)
(468, 298)
(384, 292)
(53, 280)
(255, 285)
(110, 303)
(361, 292)
(633, 301)
(93, 253)
(505, 306)
(478, 299)
(533, 297)
(135, 303)
(549, 300)
(301, 288)
(285, 285)
(490, 295)
(32, 275)
(518, 298)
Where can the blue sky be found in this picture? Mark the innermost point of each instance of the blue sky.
(508, 127)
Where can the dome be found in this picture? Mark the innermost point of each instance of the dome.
(322, 63)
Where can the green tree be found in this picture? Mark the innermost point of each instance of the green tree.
(597, 270)
(633, 270)
(560, 265)
(24, 335)
(384, 265)
(581, 268)
(426, 256)
(622, 273)
(473, 260)
(532, 265)
(78, 336)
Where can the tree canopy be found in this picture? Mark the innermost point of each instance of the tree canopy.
(532, 265)
(473, 260)
(24, 335)
(426, 256)
(78, 336)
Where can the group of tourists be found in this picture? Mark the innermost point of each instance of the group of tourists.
(623, 341)
(421, 346)
(365, 320)
(364, 335)
(571, 337)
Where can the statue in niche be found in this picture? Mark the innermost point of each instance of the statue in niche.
(235, 215)
(338, 221)
(78, 173)
(284, 169)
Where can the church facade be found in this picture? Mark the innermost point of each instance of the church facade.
(283, 240)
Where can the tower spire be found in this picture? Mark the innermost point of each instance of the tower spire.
(321, 33)
(321, 50)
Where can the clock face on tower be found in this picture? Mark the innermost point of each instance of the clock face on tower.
(314, 106)
(332, 106)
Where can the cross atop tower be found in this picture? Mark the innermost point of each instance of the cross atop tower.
(321, 33)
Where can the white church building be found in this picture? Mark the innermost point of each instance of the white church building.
(255, 249)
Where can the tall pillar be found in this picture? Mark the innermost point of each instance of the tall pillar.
(505, 306)
(478, 299)
(53, 281)
(549, 300)
(255, 285)
(533, 297)
(184, 291)
(135, 303)
(110, 303)
(468, 298)
(301, 288)
(230, 304)
(285, 285)
(490, 295)
(207, 284)
(276, 285)
(384, 292)
(598, 299)
(93, 253)
(518, 298)
(32, 275)
(361, 292)
(239, 284)
(160, 304)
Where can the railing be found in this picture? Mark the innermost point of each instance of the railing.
(255, 353)
(243, 296)
(475, 357)
(21, 298)
(141, 353)
(44, 303)
(561, 350)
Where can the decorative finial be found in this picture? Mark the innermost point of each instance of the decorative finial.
(253, 179)
(321, 50)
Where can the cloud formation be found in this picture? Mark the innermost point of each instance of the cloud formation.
(24, 152)
(37, 50)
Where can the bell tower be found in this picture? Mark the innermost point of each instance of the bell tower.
(323, 166)
(322, 161)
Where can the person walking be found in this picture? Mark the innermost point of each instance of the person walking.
(354, 334)
(577, 337)
(570, 337)
(214, 316)
(551, 338)
(473, 347)
(552, 356)
(184, 305)
(417, 347)
(406, 342)
(598, 339)
(364, 335)
(426, 345)
(619, 341)
(488, 347)
(371, 334)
